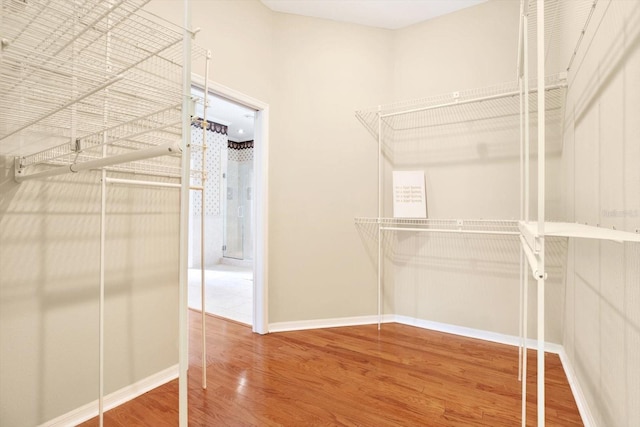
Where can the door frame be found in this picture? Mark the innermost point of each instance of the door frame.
(260, 209)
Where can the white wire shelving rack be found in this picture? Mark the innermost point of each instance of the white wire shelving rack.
(453, 109)
(95, 84)
(458, 226)
(532, 107)
(79, 76)
(543, 24)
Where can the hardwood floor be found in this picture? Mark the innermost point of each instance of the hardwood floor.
(352, 376)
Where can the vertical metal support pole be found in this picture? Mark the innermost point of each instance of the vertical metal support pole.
(103, 234)
(541, 209)
(203, 298)
(74, 85)
(380, 202)
(203, 293)
(527, 121)
(527, 129)
(103, 221)
(202, 218)
(522, 265)
(525, 326)
(520, 320)
(183, 356)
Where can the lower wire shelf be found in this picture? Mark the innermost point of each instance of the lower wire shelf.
(528, 230)
(583, 231)
(464, 226)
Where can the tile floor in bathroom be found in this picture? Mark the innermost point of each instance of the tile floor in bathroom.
(229, 292)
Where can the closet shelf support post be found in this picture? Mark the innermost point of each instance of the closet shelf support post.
(183, 330)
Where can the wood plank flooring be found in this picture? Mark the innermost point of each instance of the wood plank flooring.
(350, 376)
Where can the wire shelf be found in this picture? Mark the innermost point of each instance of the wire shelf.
(471, 226)
(460, 108)
(79, 75)
(576, 230)
(565, 23)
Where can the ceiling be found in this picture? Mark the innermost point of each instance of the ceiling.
(389, 14)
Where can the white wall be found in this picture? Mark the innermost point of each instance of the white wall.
(602, 186)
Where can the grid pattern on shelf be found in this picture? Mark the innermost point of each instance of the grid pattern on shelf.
(454, 225)
(458, 108)
(80, 75)
(561, 15)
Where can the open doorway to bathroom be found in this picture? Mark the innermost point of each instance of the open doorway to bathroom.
(223, 183)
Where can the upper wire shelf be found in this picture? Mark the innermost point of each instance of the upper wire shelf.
(457, 108)
(565, 23)
(80, 75)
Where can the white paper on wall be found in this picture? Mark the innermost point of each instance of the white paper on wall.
(409, 199)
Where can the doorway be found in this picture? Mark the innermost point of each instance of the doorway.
(234, 213)
(238, 202)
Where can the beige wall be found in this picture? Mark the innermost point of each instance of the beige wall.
(323, 166)
(314, 74)
(602, 186)
(472, 48)
(472, 171)
(49, 291)
(239, 33)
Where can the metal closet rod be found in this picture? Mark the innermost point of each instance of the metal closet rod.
(160, 150)
(150, 183)
(140, 182)
(451, 230)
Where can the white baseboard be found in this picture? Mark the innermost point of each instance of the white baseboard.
(587, 417)
(476, 333)
(90, 410)
(303, 325)
(410, 321)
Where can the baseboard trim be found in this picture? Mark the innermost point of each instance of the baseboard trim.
(90, 410)
(410, 321)
(512, 340)
(585, 413)
(303, 325)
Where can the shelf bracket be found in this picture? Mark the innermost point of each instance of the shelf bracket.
(18, 168)
(4, 43)
(537, 244)
(540, 276)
